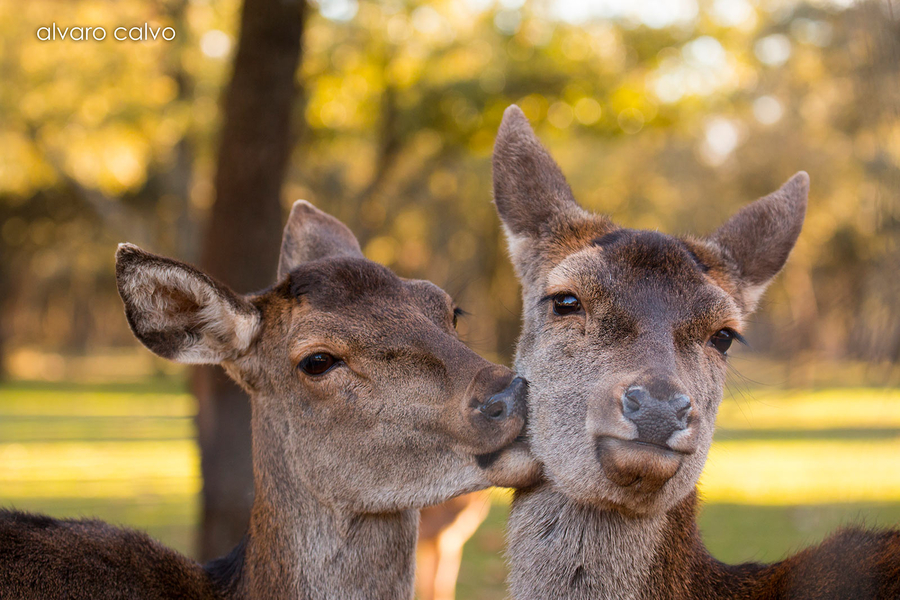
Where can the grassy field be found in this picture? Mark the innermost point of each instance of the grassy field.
(786, 467)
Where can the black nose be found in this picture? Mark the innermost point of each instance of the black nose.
(656, 419)
(510, 401)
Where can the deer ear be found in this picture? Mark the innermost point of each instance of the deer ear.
(180, 313)
(529, 188)
(311, 234)
(755, 242)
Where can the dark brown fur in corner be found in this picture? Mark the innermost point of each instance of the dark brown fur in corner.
(45, 558)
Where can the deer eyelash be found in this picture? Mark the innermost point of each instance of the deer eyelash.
(739, 337)
(550, 297)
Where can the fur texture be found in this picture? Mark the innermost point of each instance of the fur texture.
(342, 458)
(617, 323)
(48, 558)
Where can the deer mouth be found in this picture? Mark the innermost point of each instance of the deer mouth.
(487, 460)
(519, 443)
(641, 467)
(513, 465)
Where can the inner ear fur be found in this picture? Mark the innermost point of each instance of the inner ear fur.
(756, 242)
(530, 190)
(181, 313)
(311, 234)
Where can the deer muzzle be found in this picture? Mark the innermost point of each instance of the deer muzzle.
(508, 402)
(647, 436)
(656, 420)
(495, 411)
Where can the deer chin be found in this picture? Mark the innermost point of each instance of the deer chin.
(641, 468)
(513, 466)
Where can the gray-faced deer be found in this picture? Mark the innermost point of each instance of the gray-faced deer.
(624, 346)
(366, 407)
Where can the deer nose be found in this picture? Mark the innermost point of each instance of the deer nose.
(656, 419)
(510, 401)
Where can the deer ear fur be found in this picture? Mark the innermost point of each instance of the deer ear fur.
(181, 313)
(756, 241)
(529, 188)
(311, 234)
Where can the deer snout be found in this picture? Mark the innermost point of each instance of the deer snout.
(656, 419)
(644, 444)
(495, 409)
(510, 401)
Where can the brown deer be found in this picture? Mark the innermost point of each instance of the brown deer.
(624, 345)
(443, 532)
(366, 407)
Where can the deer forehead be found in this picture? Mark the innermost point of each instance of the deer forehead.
(390, 320)
(334, 283)
(573, 269)
(651, 275)
(337, 285)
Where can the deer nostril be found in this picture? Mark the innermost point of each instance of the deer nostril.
(631, 401)
(495, 409)
(508, 402)
(682, 406)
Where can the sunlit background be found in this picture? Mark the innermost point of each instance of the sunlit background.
(664, 114)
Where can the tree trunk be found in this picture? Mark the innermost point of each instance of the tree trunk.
(242, 244)
(4, 302)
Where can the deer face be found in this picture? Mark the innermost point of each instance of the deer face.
(362, 393)
(626, 333)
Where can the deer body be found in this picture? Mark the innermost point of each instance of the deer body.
(47, 558)
(365, 408)
(594, 554)
(624, 344)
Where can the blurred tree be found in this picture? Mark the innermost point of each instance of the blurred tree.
(242, 243)
(650, 113)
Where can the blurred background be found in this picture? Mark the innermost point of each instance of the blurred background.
(664, 114)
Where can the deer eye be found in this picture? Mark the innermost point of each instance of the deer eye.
(722, 339)
(457, 313)
(565, 304)
(318, 363)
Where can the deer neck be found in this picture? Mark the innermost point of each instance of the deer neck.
(560, 549)
(300, 547)
(306, 550)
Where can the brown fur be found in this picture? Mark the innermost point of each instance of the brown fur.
(342, 460)
(44, 558)
(624, 390)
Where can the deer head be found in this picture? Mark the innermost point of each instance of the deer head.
(626, 332)
(362, 394)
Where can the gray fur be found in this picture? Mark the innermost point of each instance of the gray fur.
(650, 304)
(560, 549)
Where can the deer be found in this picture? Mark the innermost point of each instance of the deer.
(366, 407)
(624, 344)
(443, 532)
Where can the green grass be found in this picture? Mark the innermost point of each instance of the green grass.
(739, 532)
(786, 468)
